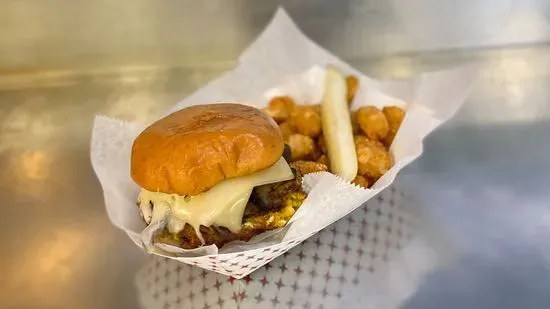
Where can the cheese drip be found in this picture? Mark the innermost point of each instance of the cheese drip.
(222, 205)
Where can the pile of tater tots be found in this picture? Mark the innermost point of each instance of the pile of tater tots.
(373, 130)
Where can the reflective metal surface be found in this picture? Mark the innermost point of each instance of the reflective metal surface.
(62, 62)
(76, 34)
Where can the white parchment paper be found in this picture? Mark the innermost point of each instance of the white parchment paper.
(284, 61)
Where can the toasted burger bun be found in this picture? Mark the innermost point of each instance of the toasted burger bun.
(193, 149)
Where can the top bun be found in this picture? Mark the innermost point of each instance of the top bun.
(193, 149)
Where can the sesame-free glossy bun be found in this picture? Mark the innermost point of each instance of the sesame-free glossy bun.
(193, 149)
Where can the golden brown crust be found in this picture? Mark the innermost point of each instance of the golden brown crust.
(354, 124)
(307, 167)
(279, 108)
(323, 159)
(193, 149)
(302, 147)
(285, 130)
(373, 158)
(361, 181)
(394, 115)
(352, 84)
(372, 122)
(306, 120)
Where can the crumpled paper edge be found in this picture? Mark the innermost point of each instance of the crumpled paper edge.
(306, 62)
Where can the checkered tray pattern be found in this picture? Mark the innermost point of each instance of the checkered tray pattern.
(316, 273)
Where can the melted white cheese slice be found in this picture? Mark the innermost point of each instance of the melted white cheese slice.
(222, 205)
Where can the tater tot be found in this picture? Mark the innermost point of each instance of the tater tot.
(317, 108)
(306, 121)
(372, 157)
(394, 115)
(372, 122)
(286, 130)
(306, 167)
(279, 108)
(302, 147)
(323, 159)
(354, 124)
(361, 181)
(322, 144)
(352, 84)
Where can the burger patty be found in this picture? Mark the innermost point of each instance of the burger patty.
(270, 206)
(286, 197)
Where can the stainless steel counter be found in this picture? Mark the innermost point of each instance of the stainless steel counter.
(484, 175)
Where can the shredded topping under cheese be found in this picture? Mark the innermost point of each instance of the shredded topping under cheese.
(222, 205)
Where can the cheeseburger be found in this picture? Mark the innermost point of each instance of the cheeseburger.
(213, 174)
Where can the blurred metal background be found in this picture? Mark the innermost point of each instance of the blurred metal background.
(62, 62)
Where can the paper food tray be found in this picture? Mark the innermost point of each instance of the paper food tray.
(282, 61)
(376, 257)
